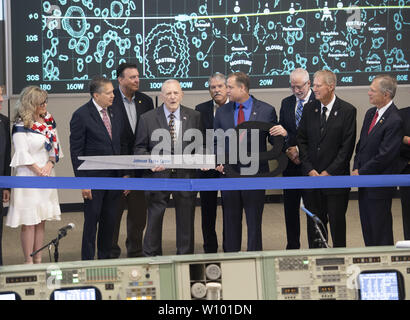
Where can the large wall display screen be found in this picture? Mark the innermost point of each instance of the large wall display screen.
(61, 44)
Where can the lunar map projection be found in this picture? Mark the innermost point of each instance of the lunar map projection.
(61, 44)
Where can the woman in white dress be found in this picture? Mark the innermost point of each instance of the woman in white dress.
(36, 151)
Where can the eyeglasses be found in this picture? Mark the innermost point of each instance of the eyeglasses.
(299, 87)
(44, 102)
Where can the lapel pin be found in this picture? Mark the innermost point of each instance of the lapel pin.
(316, 110)
(184, 117)
(254, 113)
(335, 113)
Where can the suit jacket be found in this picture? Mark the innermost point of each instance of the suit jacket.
(206, 109)
(405, 149)
(332, 150)
(207, 114)
(288, 120)
(5, 146)
(143, 103)
(378, 152)
(155, 119)
(89, 137)
(261, 111)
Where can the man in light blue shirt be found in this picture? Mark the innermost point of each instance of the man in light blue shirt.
(130, 104)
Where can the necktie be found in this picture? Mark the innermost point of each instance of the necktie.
(299, 110)
(106, 121)
(376, 115)
(171, 125)
(241, 115)
(323, 120)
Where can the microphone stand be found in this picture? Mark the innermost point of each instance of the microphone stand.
(55, 242)
(321, 240)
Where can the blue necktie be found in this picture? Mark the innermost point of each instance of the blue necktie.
(299, 111)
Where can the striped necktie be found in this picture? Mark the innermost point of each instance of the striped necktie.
(299, 111)
(171, 125)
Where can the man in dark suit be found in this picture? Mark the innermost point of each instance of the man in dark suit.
(326, 138)
(171, 121)
(243, 107)
(290, 114)
(130, 104)
(5, 146)
(405, 169)
(95, 130)
(217, 90)
(377, 152)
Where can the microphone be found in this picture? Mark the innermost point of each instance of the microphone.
(318, 222)
(310, 214)
(66, 228)
(62, 232)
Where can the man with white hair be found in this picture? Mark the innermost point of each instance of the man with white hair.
(326, 139)
(290, 114)
(377, 152)
(176, 119)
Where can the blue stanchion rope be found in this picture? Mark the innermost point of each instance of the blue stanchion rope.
(205, 184)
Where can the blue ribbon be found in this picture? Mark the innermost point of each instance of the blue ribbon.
(205, 184)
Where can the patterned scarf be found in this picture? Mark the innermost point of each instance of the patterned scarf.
(48, 130)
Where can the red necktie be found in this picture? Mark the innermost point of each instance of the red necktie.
(241, 115)
(376, 115)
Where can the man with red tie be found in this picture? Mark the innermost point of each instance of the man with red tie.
(377, 152)
(243, 107)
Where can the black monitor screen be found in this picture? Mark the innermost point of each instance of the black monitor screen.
(86, 293)
(381, 285)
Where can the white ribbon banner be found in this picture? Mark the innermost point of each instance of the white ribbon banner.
(130, 162)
